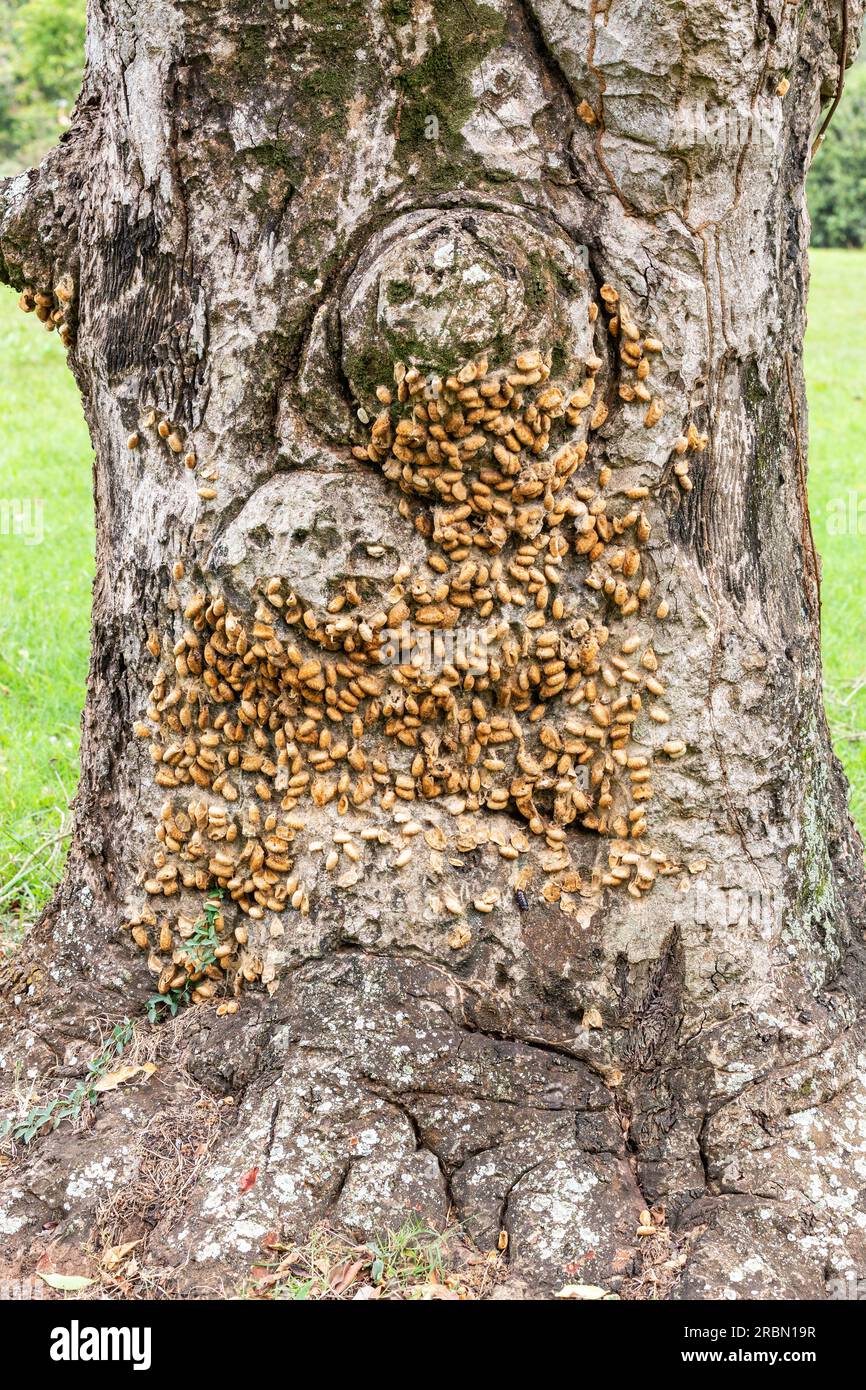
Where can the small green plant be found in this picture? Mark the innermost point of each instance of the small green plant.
(51, 1113)
(400, 1264)
(160, 1005)
(411, 1255)
(201, 947)
(294, 1290)
(204, 939)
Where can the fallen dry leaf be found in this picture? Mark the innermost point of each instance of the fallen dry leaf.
(113, 1079)
(116, 1254)
(427, 1292)
(343, 1275)
(248, 1180)
(69, 1283)
(587, 1292)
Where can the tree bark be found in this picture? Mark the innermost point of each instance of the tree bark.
(584, 933)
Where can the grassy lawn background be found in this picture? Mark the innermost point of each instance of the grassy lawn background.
(45, 589)
(836, 380)
(45, 457)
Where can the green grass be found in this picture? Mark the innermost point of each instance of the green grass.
(45, 458)
(45, 589)
(412, 1263)
(836, 379)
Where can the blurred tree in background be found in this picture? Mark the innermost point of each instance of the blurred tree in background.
(837, 181)
(41, 60)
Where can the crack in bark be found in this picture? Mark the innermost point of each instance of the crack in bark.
(506, 1202)
(342, 1179)
(550, 63)
(702, 1150)
(813, 590)
(561, 1048)
(421, 1143)
(655, 1016)
(272, 1129)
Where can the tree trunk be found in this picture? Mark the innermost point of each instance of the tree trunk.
(457, 618)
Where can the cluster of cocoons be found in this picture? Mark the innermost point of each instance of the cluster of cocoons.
(51, 307)
(298, 749)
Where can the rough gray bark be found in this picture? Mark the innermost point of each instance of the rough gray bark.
(259, 213)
